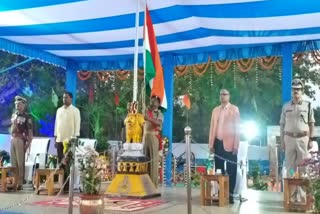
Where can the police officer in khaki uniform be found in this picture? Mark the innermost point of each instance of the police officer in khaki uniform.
(152, 134)
(296, 128)
(22, 134)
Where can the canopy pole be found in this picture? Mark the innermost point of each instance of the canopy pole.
(286, 72)
(136, 50)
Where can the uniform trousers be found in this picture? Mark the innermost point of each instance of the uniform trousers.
(18, 158)
(296, 150)
(152, 152)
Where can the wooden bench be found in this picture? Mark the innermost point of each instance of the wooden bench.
(5, 171)
(205, 188)
(296, 206)
(49, 179)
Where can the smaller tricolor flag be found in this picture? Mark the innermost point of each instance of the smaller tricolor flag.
(153, 68)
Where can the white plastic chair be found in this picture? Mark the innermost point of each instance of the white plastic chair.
(37, 154)
(80, 151)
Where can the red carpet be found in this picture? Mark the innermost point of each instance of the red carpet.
(114, 204)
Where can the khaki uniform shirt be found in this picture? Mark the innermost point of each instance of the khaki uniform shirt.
(149, 127)
(21, 124)
(295, 117)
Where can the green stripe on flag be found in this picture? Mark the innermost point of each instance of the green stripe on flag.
(150, 71)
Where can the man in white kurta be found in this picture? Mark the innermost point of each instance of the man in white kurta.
(67, 123)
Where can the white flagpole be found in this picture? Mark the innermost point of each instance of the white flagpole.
(136, 50)
(144, 62)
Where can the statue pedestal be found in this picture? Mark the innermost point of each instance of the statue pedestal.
(132, 179)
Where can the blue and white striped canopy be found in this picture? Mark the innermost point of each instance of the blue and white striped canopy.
(99, 34)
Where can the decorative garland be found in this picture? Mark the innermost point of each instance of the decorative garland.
(222, 66)
(84, 75)
(103, 75)
(245, 65)
(316, 56)
(297, 57)
(200, 69)
(122, 74)
(181, 70)
(267, 63)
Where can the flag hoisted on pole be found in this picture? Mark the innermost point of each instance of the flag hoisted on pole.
(152, 63)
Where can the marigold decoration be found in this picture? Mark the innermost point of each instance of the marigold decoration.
(181, 70)
(84, 75)
(222, 66)
(245, 65)
(122, 75)
(165, 145)
(103, 75)
(200, 69)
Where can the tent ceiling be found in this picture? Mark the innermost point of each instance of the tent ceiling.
(100, 33)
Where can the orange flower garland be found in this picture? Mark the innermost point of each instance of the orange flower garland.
(200, 69)
(268, 62)
(245, 65)
(122, 74)
(222, 66)
(84, 75)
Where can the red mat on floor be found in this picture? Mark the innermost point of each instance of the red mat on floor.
(114, 204)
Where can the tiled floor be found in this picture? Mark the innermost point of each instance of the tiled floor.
(258, 202)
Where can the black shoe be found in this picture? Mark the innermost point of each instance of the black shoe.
(20, 187)
(231, 201)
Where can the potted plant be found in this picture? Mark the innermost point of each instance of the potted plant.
(92, 168)
(312, 165)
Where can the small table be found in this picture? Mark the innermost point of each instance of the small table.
(290, 205)
(49, 176)
(5, 171)
(205, 187)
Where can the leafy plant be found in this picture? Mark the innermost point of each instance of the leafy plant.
(195, 179)
(92, 168)
(259, 182)
(312, 166)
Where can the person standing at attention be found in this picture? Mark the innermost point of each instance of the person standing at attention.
(67, 124)
(224, 138)
(22, 134)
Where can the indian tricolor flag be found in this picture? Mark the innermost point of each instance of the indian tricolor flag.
(153, 68)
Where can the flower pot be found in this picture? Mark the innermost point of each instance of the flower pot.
(91, 204)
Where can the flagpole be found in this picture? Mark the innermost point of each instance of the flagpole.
(136, 50)
(144, 63)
